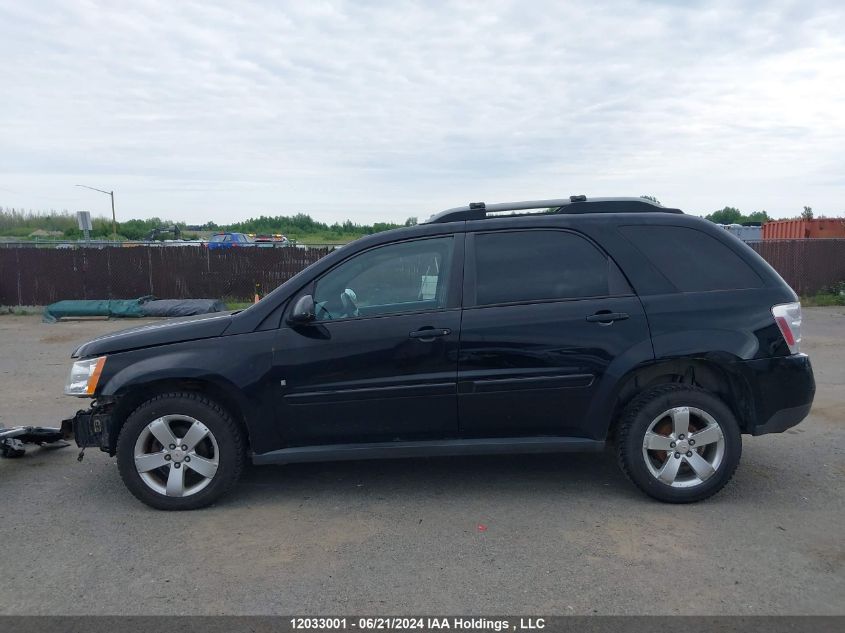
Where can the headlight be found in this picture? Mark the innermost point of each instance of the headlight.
(84, 376)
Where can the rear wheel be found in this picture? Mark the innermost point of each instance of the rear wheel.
(678, 443)
(180, 451)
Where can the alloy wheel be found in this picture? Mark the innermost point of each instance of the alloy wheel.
(176, 455)
(683, 447)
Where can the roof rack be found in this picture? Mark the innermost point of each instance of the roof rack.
(573, 204)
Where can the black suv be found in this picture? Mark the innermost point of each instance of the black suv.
(487, 329)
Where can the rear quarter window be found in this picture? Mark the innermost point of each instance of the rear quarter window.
(692, 260)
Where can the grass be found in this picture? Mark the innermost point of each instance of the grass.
(21, 310)
(327, 238)
(234, 303)
(831, 296)
(823, 299)
(237, 305)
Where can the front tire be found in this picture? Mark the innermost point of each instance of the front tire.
(180, 451)
(678, 443)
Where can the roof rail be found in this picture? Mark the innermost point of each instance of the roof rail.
(573, 204)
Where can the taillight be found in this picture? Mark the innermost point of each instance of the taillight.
(788, 318)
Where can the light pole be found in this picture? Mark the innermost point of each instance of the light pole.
(113, 218)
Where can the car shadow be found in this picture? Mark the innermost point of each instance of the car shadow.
(401, 479)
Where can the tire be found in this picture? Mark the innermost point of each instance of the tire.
(649, 434)
(177, 479)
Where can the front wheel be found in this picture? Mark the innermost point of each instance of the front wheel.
(180, 451)
(678, 443)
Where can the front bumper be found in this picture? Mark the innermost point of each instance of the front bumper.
(89, 428)
(783, 389)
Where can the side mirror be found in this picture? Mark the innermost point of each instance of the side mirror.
(303, 311)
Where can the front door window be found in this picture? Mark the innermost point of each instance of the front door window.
(394, 279)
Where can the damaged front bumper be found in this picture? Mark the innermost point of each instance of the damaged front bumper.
(91, 427)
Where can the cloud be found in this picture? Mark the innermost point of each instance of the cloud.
(382, 110)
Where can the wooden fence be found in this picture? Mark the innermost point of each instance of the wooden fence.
(808, 265)
(36, 276)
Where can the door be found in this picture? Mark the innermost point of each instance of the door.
(546, 313)
(380, 361)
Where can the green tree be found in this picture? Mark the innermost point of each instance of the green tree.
(728, 215)
(732, 215)
(807, 213)
(758, 217)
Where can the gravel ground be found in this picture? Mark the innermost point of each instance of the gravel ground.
(552, 534)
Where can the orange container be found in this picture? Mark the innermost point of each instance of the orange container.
(800, 229)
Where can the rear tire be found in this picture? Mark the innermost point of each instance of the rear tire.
(180, 451)
(678, 443)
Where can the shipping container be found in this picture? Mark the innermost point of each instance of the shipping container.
(800, 229)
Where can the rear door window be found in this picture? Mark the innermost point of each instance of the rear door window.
(692, 260)
(536, 265)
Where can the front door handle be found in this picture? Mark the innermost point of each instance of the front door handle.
(606, 317)
(430, 333)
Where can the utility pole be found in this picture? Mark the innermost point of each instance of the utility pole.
(113, 216)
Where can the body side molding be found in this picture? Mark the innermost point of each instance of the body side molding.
(429, 448)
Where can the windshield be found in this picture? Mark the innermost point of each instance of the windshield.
(216, 238)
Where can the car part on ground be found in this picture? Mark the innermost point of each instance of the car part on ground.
(12, 440)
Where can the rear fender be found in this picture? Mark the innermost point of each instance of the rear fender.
(719, 373)
(600, 411)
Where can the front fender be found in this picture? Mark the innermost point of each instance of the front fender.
(176, 365)
(233, 379)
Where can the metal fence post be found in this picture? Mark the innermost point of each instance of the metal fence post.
(18, 266)
(150, 267)
(109, 284)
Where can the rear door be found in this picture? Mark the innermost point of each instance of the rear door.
(546, 312)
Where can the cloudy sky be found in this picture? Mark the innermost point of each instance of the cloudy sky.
(383, 110)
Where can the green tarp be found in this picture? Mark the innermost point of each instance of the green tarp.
(94, 307)
(141, 307)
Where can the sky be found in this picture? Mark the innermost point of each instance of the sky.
(378, 111)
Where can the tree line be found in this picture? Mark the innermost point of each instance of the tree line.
(22, 223)
(732, 215)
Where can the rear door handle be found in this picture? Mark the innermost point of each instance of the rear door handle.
(606, 317)
(429, 334)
